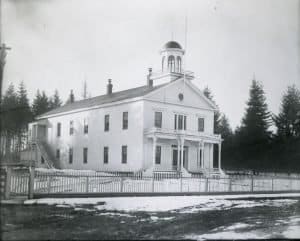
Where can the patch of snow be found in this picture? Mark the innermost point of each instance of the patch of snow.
(62, 206)
(228, 235)
(169, 203)
(116, 214)
(293, 232)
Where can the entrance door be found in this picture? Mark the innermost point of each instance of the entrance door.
(175, 158)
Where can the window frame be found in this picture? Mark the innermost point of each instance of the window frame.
(203, 125)
(124, 154)
(71, 155)
(158, 155)
(71, 129)
(105, 154)
(180, 122)
(125, 120)
(85, 126)
(85, 155)
(159, 119)
(106, 122)
(58, 129)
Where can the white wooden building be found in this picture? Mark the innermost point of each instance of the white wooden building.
(166, 125)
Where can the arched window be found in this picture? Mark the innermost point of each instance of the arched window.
(171, 63)
(163, 63)
(178, 64)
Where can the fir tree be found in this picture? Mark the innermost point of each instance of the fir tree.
(285, 121)
(217, 115)
(40, 104)
(253, 135)
(55, 101)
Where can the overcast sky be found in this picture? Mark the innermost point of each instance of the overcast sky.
(56, 44)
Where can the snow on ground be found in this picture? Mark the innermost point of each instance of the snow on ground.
(187, 204)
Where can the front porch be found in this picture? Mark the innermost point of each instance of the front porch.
(186, 152)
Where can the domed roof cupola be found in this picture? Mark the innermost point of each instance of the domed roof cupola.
(172, 45)
(172, 57)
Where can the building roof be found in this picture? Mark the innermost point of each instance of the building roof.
(172, 45)
(103, 99)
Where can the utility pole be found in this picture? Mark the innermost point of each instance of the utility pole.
(3, 52)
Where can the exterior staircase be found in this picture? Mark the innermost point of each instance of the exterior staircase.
(45, 153)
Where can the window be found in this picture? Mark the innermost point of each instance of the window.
(124, 154)
(85, 155)
(58, 129)
(180, 122)
(85, 126)
(105, 155)
(70, 155)
(178, 64)
(158, 119)
(171, 63)
(125, 120)
(157, 154)
(71, 127)
(57, 154)
(42, 160)
(201, 124)
(106, 123)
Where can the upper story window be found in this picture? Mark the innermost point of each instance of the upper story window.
(158, 119)
(85, 155)
(179, 122)
(70, 155)
(106, 123)
(201, 124)
(71, 127)
(58, 129)
(171, 63)
(124, 154)
(125, 120)
(158, 155)
(105, 155)
(85, 126)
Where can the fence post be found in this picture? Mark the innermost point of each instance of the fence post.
(31, 183)
(121, 184)
(230, 185)
(206, 185)
(252, 182)
(87, 184)
(7, 183)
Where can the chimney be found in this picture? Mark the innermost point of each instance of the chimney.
(71, 97)
(109, 87)
(149, 80)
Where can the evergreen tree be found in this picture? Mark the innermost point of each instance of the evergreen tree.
(9, 121)
(217, 114)
(225, 129)
(253, 135)
(40, 104)
(55, 101)
(285, 121)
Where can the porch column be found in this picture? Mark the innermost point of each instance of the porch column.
(202, 154)
(154, 151)
(219, 163)
(182, 148)
(178, 153)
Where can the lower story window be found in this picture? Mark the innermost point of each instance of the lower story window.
(57, 154)
(71, 155)
(42, 160)
(124, 154)
(85, 155)
(105, 155)
(158, 155)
